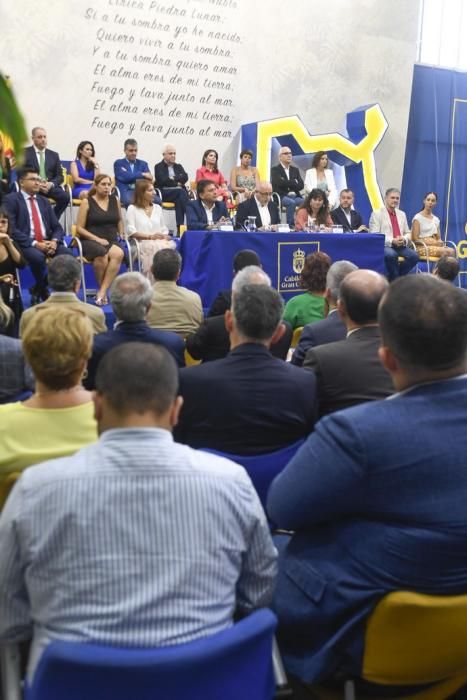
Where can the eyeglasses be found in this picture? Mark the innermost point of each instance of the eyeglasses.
(32, 179)
(286, 153)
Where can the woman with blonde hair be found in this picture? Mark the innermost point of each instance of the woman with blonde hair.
(58, 418)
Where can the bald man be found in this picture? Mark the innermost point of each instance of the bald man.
(171, 179)
(261, 207)
(287, 182)
(349, 371)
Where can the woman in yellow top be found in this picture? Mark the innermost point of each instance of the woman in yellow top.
(58, 419)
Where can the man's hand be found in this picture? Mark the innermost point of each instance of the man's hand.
(42, 246)
(44, 186)
(148, 176)
(398, 242)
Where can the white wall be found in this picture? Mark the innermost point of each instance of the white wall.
(319, 61)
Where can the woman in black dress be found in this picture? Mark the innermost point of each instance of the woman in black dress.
(10, 260)
(99, 226)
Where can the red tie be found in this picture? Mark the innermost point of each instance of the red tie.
(36, 222)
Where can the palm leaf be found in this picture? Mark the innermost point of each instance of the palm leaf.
(11, 119)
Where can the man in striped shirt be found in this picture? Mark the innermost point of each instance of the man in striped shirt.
(136, 540)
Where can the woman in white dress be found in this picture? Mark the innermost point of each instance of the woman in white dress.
(425, 229)
(144, 222)
(319, 176)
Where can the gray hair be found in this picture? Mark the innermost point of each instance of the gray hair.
(336, 274)
(251, 274)
(257, 311)
(391, 189)
(64, 272)
(130, 296)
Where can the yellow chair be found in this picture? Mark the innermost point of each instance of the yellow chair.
(413, 639)
(6, 484)
(189, 360)
(296, 336)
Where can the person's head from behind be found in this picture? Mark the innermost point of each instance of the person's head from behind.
(130, 297)
(250, 274)
(64, 274)
(136, 386)
(166, 265)
(447, 268)
(360, 294)
(334, 278)
(256, 315)
(244, 258)
(315, 269)
(423, 323)
(57, 343)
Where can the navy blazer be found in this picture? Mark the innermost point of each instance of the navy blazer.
(340, 219)
(20, 222)
(328, 330)
(53, 165)
(125, 177)
(135, 331)
(250, 208)
(161, 175)
(282, 185)
(375, 498)
(196, 218)
(246, 403)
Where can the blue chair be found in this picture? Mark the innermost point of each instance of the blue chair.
(235, 663)
(262, 469)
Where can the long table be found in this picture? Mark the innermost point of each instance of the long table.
(207, 256)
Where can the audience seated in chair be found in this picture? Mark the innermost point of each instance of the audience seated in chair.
(375, 496)
(15, 374)
(10, 260)
(332, 327)
(131, 298)
(84, 169)
(65, 281)
(223, 300)
(173, 308)
(447, 268)
(171, 178)
(128, 170)
(148, 543)
(288, 183)
(349, 372)
(248, 402)
(311, 305)
(42, 160)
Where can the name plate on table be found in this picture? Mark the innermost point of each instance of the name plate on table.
(226, 227)
(283, 228)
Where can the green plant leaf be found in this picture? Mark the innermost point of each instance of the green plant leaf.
(11, 119)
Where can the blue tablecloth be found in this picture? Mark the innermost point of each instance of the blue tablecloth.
(207, 256)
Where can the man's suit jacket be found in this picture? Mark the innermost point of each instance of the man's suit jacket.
(349, 371)
(212, 342)
(53, 166)
(375, 500)
(127, 332)
(221, 303)
(196, 218)
(250, 208)
(340, 219)
(381, 223)
(70, 301)
(328, 330)
(282, 185)
(125, 177)
(247, 403)
(161, 175)
(20, 222)
(15, 374)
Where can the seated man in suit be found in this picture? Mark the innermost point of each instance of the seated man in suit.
(131, 298)
(331, 328)
(171, 179)
(223, 301)
(65, 281)
(206, 213)
(345, 215)
(35, 229)
(393, 223)
(135, 540)
(248, 402)
(288, 183)
(47, 163)
(211, 341)
(129, 169)
(375, 495)
(349, 371)
(261, 207)
(15, 374)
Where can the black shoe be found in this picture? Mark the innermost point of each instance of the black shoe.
(35, 296)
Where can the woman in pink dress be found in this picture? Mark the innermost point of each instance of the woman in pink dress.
(210, 171)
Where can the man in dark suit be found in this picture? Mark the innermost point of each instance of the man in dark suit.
(205, 213)
(375, 496)
(171, 179)
(129, 169)
(35, 228)
(349, 371)
(249, 402)
(261, 207)
(223, 301)
(288, 183)
(332, 327)
(131, 297)
(47, 163)
(345, 216)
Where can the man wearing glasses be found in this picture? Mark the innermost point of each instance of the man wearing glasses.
(261, 207)
(287, 182)
(35, 228)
